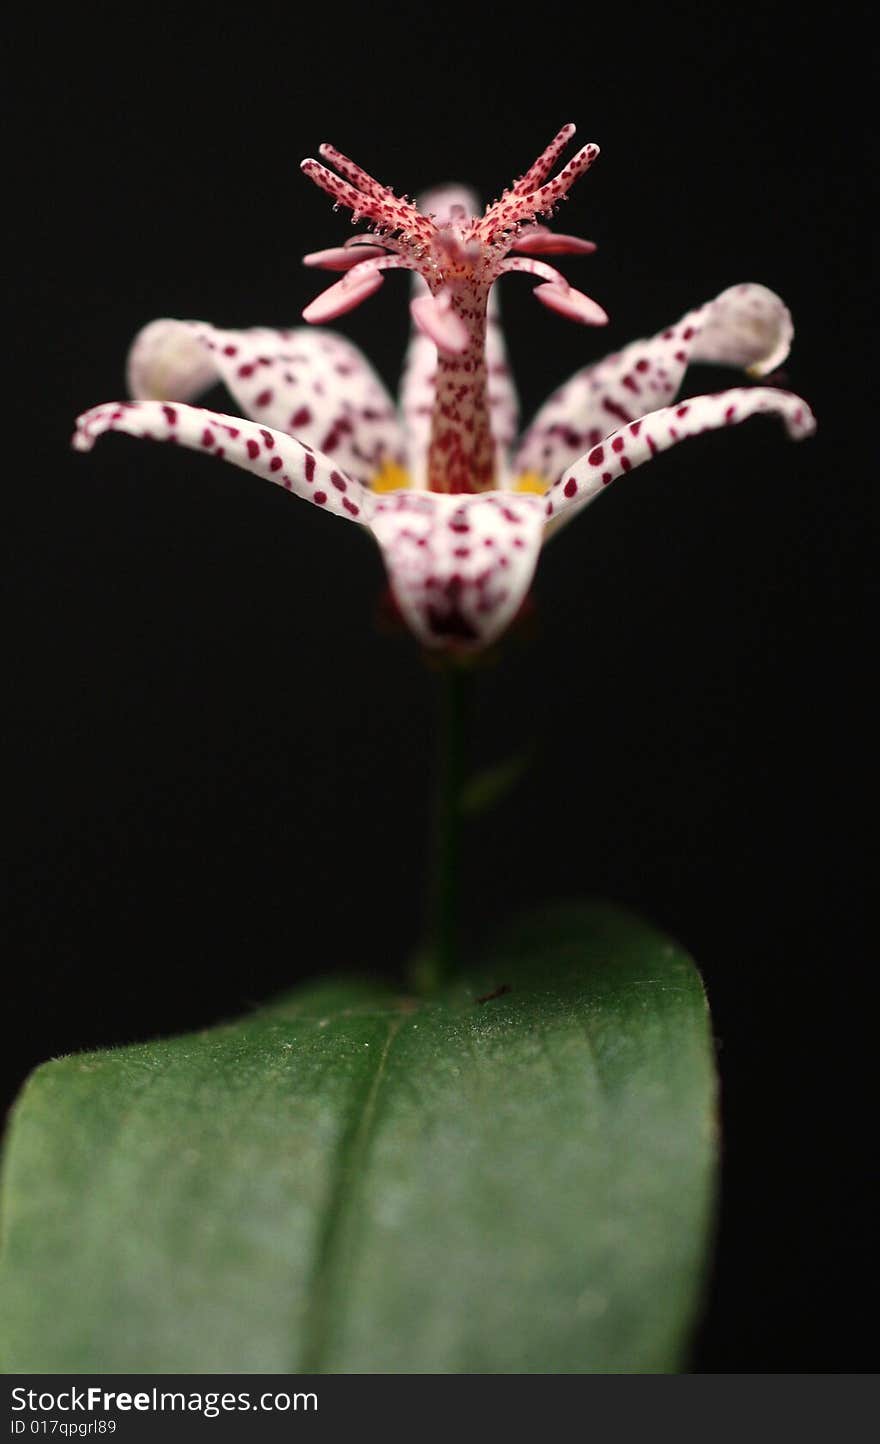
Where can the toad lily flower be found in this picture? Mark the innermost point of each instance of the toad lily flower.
(459, 510)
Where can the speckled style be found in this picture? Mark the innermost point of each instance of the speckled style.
(459, 512)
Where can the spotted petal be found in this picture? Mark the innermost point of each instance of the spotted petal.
(314, 385)
(267, 453)
(503, 400)
(417, 388)
(639, 441)
(746, 326)
(459, 566)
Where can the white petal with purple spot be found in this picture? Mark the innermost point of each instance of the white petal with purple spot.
(459, 566)
(643, 439)
(314, 385)
(747, 326)
(258, 449)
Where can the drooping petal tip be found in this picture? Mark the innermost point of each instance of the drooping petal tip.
(315, 385)
(747, 326)
(167, 362)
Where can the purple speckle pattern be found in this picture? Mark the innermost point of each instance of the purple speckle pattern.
(746, 326)
(314, 385)
(459, 255)
(643, 439)
(460, 542)
(460, 566)
(270, 454)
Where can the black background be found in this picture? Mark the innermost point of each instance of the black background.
(219, 767)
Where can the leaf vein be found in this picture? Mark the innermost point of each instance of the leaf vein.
(353, 1148)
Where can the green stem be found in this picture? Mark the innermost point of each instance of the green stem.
(440, 956)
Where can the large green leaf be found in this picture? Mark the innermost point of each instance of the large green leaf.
(353, 1181)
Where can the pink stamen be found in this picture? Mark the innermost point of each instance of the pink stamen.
(341, 297)
(572, 304)
(436, 319)
(533, 268)
(541, 241)
(341, 258)
(361, 282)
(557, 293)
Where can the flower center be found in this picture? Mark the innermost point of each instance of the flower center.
(458, 257)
